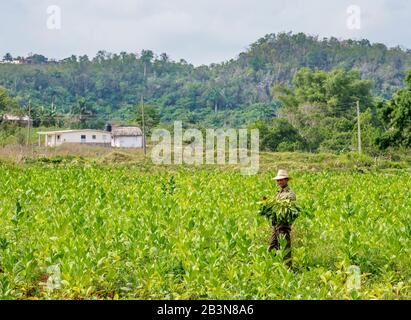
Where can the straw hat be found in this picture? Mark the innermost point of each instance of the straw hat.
(282, 174)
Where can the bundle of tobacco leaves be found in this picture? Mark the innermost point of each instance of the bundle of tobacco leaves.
(279, 211)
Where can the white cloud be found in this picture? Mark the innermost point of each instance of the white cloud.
(199, 31)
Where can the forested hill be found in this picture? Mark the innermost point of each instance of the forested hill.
(235, 91)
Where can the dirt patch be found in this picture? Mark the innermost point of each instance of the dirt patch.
(117, 157)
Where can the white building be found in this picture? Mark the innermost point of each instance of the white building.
(82, 136)
(10, 62)
(127, 137)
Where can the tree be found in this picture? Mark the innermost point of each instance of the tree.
(111, 81)
(164, 57)
(151, 117)
(279, 135)
(7, 103)
(101, 56)
(147, 57)
(44, 116)
(37, 59)
(82, 113)
(370, 131)
(337, 90)
(396, 115)
(8, 57)
(321, 105)
(84, 59)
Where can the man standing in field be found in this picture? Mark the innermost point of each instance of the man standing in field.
(285, 193)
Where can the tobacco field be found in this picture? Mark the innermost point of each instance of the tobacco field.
(128, 232)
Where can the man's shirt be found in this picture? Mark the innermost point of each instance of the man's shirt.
(285, 194)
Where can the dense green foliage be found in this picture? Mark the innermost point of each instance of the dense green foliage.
(321, 109)
(144, 232)
(318, 112)
(232, 93)
(300, 92)
(336, 91)
(278, 135)
(396, 115)
(279, 211)
(7, 103)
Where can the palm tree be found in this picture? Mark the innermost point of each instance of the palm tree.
(81, 112)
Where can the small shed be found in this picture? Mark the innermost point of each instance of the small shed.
(20, 120)
(126, 137)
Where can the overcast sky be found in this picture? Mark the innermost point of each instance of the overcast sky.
(200, 31)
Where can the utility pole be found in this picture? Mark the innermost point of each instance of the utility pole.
(359, 127)
(53, 112)
(142, 112)
(28, 124)
(143, 122)
(53, 107)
